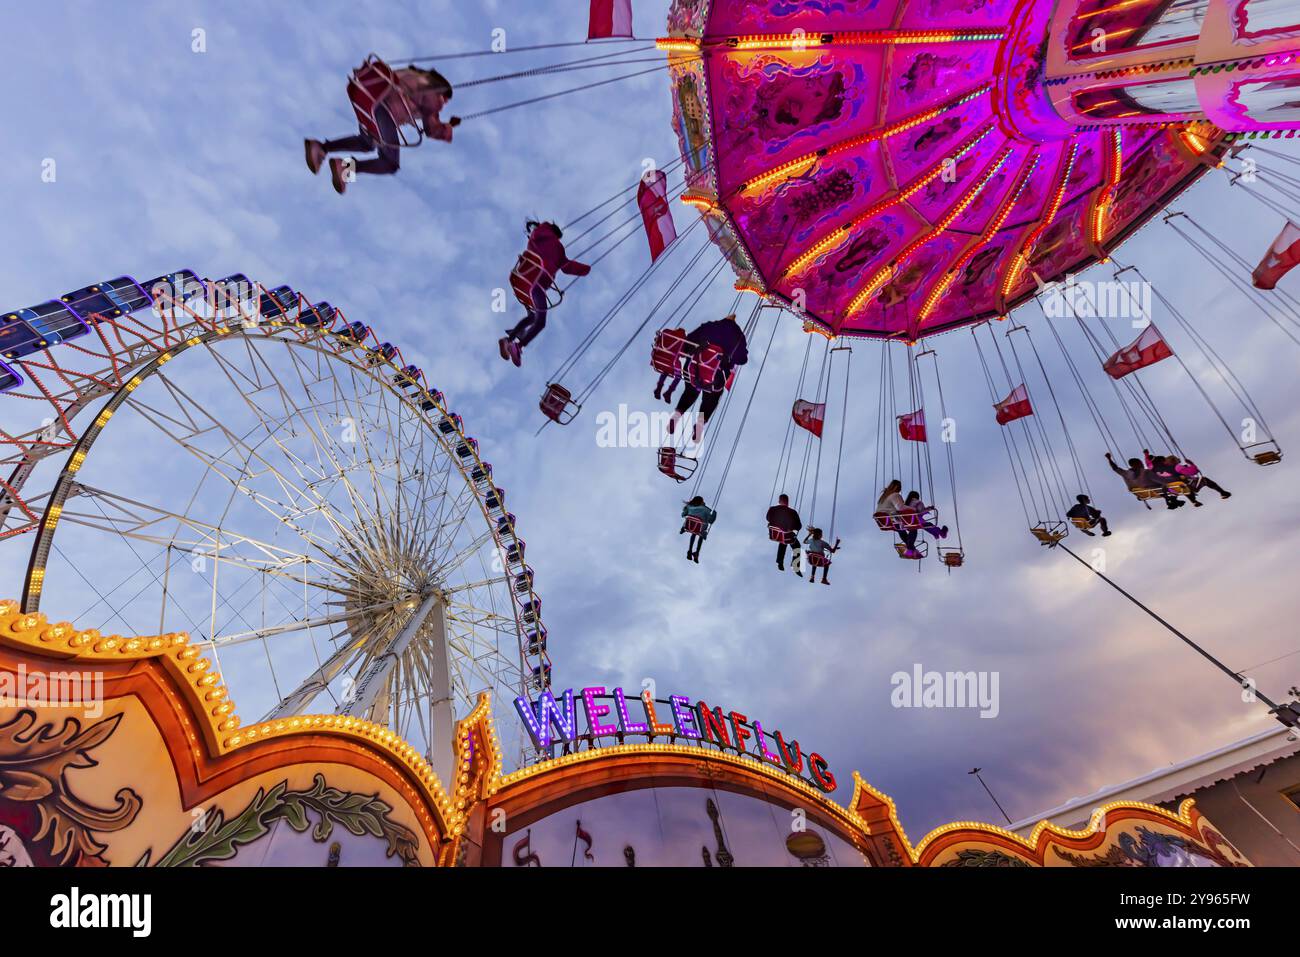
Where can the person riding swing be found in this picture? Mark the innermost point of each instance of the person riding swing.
(534, 274)
(385, 100)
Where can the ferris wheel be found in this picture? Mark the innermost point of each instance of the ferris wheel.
(246, 466)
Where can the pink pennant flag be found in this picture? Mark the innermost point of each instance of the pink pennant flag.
(810, 415)
(1147, 349)
(912, 426)
(652, 197)
(1281, 258)
(610, 18)
(1015, 406)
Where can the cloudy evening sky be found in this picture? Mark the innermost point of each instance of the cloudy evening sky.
(169, 159)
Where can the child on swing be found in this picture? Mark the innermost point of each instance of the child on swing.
(814, 544)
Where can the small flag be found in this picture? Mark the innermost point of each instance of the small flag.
(1281, 258)
(610, 18)
(583, 836)
(1147, 349)
(1015, 406)
(523, 852)
(912, 426)
(652, 197)
(810, 415)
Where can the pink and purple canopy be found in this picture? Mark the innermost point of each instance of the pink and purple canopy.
(895, 168)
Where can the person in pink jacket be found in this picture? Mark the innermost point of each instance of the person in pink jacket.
(418, 100)
(544, 241)
(1187, 471)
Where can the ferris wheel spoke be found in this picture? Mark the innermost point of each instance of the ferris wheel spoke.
(105, 597)
(470, 587)
(474, 647)
(236, 475)
(315, 405)
(133, 519)
(448, 520)
(342, 661)
(299, 625)
(432, 520)
(328, 468)
(452, 563)
(340, 473)
(473, 617)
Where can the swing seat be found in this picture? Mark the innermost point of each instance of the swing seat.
(665, 356)
(703, 367)
(1270, 453)
(557, 404)
(528, 273)
(777, 534)
(905, 521)
(921, 550)
(1084, 524)
(373, 83)
(1049, 533)
(675, 465)
(952, 558)
(1146, 494)
(694, 525)
(818, 560)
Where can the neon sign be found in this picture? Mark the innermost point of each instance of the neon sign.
(553, 722)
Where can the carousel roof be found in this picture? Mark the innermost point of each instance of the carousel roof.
(894, 167)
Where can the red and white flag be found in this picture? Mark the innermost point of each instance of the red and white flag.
(810, 415)
(1015, 406)
(1147, 349)
(610, 18)
(652, 197)
(1281, 258)
(912, 426)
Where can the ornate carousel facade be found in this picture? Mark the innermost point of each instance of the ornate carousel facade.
(127, 751)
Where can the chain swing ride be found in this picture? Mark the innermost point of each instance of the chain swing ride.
(875, 177)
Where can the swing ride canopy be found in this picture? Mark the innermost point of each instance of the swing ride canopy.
(898, 168)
